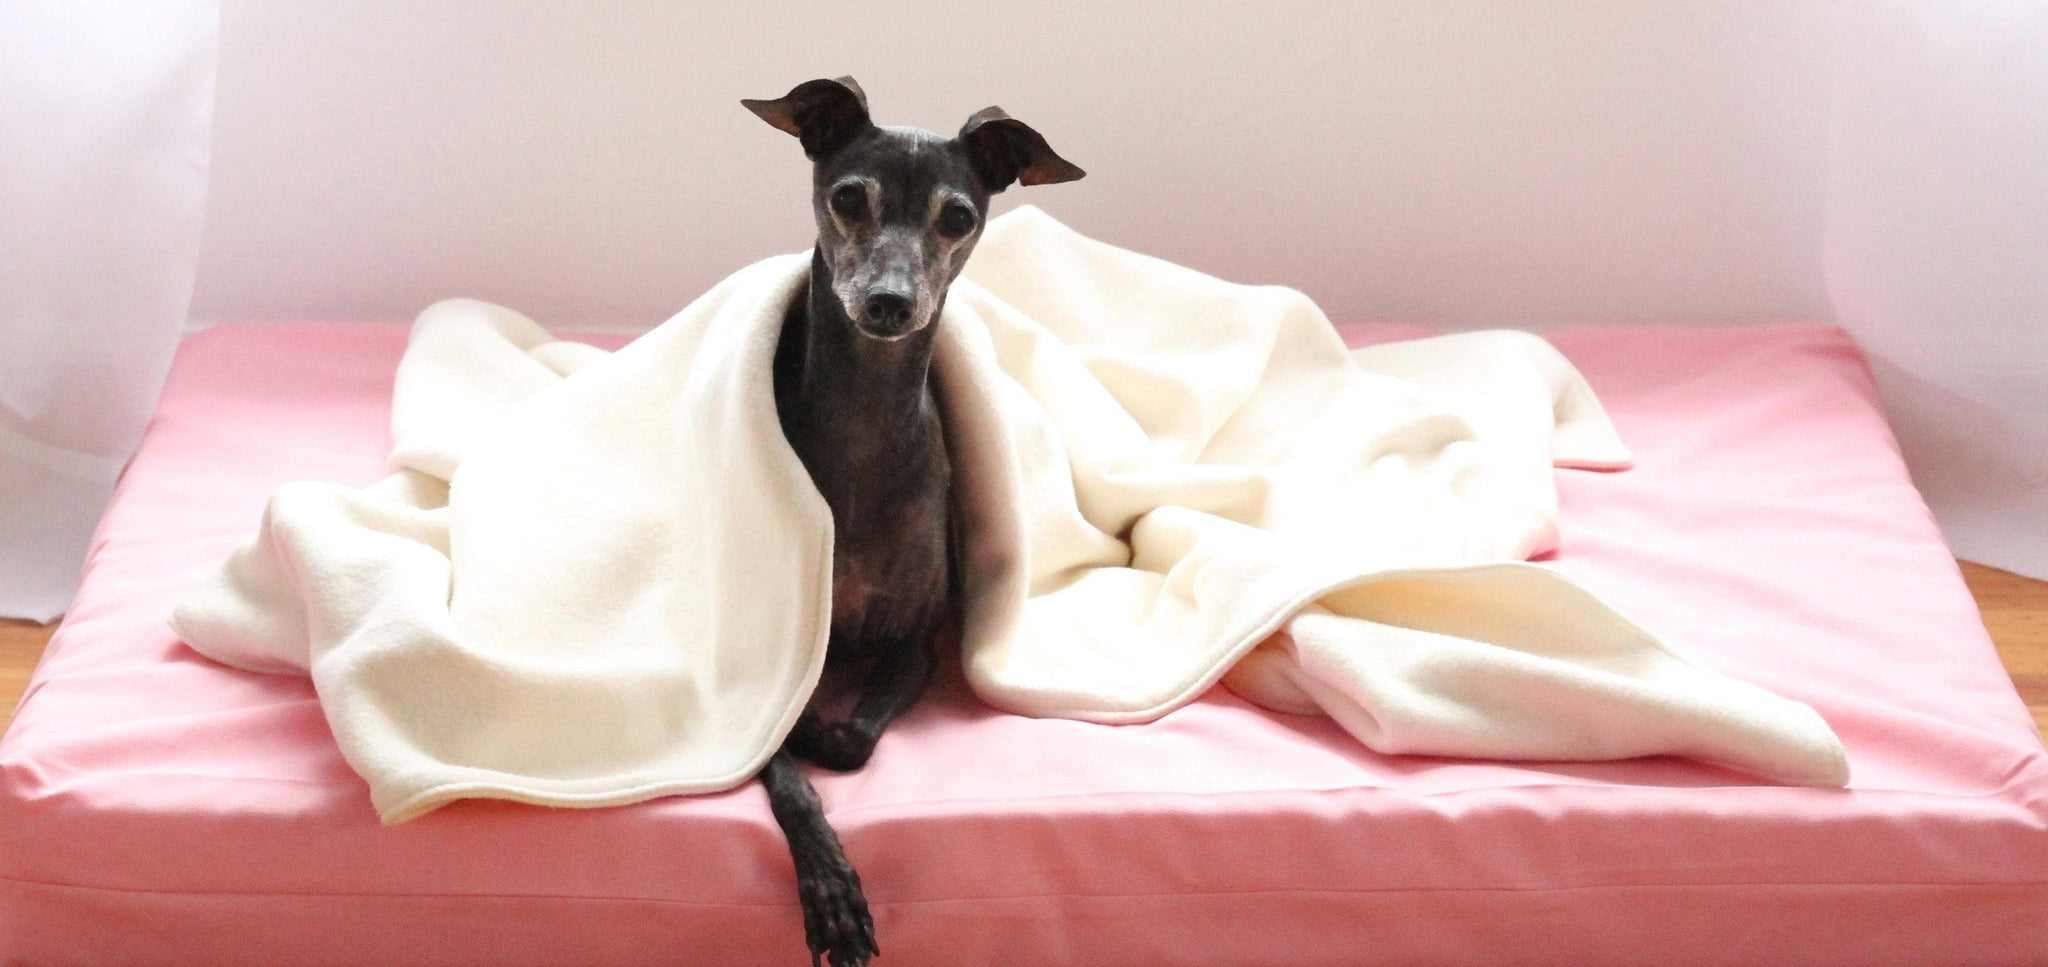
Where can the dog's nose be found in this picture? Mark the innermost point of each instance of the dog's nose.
(887, 310)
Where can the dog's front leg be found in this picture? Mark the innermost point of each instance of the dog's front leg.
(836, 920)
(898, 678)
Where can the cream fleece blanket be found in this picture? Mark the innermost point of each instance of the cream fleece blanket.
(597, 578)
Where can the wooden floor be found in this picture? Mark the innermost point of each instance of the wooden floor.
(21, 645)
(2015, 610)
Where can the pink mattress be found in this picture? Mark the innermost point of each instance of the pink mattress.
(156, 808)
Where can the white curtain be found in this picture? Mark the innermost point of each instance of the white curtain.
(1936, 251)
(105, 122)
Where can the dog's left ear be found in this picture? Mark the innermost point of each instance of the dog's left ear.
(1004, 149)
(823, 114)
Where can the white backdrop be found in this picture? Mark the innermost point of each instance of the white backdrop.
(1461, 163)
(1474, 162)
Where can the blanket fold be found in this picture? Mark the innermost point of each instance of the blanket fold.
(594, 578)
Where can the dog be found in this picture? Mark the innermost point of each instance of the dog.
(898, 211)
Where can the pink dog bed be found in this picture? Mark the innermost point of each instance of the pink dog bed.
(156, 808)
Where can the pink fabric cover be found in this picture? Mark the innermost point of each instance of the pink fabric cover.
(156, 808)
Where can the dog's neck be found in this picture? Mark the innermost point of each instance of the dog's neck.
(855, 406)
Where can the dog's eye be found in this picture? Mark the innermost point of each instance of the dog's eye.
(850, 202)
(956, 220)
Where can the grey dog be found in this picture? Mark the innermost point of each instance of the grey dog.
(898, 210)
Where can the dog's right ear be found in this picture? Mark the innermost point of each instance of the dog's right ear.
(823, 114)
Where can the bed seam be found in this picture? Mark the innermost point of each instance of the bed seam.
(873, 901)
(1060, 797)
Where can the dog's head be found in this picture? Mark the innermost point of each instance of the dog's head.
(899, 209)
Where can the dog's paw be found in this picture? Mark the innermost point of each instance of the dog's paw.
(839, 746)
(836, 923)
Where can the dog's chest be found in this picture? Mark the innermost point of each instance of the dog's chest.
(890, 575)
(860, 585)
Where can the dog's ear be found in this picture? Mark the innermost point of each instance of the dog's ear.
(823, 114)
(1004, 149)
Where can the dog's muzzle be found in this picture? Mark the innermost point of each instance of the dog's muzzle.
(886, 315)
